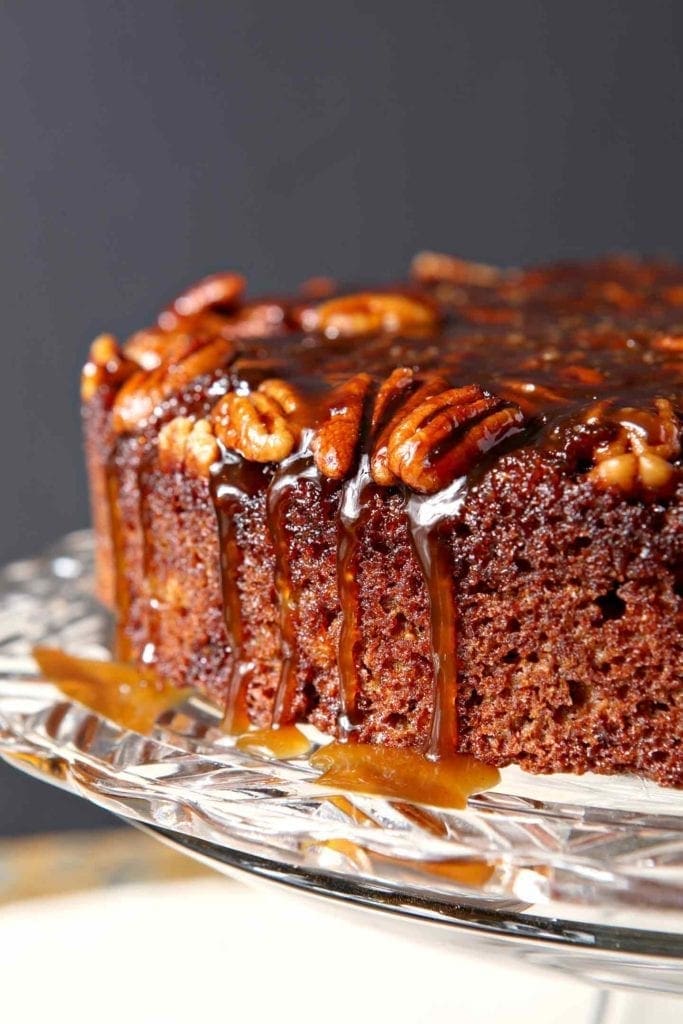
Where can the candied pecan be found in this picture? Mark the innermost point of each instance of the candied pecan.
(147, 348)
(189, 445)
(219, 290)
(669, 343)
(256, 320)
(529, 395)
(187, 359)
(260, 425)
(433, 267)
(287, 397)
(107, 365)
(369, 313)
(445, 435)
(400, 393)
(639, 456)
(337, 440)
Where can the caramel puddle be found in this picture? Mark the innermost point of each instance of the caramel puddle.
(473, 873)
(403, 774)
(285, 742)
(126, 695)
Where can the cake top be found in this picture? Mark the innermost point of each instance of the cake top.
(430, 379)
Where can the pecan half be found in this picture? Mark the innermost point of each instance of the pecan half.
(106, 366)
(337, 440)
(639, 456)
(186, 359)
(400, 393)
(669, 343)
(188, 445)
(260, 425)
(445, 435)
(433, 267)
(370, 313)
(218, 290)
(148, 348)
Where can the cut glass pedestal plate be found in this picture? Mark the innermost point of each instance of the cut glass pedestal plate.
(580, 874)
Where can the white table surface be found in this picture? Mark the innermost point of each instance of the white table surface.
(214, 949)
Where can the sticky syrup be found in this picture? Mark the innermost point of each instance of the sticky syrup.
(403, 774)
(236, 483)
(131, 697)
(285, 480)
(285, 742)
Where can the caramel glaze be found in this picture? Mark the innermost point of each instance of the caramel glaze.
(286, 478)
(235, 484)
(117, 690)
(553, 341)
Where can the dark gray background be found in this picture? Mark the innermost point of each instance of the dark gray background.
(144, 144)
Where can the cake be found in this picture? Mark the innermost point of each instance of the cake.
(443, 514)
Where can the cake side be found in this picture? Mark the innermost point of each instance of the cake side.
(284, 571)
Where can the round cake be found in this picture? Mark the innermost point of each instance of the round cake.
(442, 514)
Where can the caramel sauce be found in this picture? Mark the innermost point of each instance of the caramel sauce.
(285, 742)
(123, 693)
(232, 487)
(429, 519)
(285, 479)
(403, 774)
(350, 521)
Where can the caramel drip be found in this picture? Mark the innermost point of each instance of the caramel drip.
(285, 742)
(403, 774)
(153, 608)
(352, 515)
(284, 482)
(429, 519)
(232, 486)
(122, 644)
(131, 697)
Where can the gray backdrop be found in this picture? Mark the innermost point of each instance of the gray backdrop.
(144, 144)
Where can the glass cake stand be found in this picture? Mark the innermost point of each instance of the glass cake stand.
(580, 874)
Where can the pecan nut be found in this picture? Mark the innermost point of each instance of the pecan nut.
(222, 291)
(148, 348)
(639, 455)
(371, 313)
(434, 267)
(447, 434)
(400, 393)
(337, 440)
(188, 445)
(107, 366)
(186, 359)
(669, 343)
(260, 425)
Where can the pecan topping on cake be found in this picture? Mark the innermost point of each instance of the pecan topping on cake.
(188, 445)
(222, 291)
(186, 359)
(337, 441)
(400, 393)
(433, 267)
(107, 365)
(447, 434)
(262, 425)
(639, 455)
(147, 348)
(370, 313)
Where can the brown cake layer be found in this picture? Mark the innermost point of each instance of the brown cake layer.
(444, 514)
